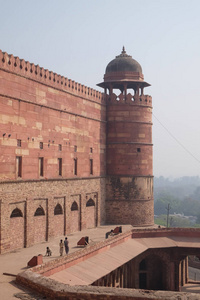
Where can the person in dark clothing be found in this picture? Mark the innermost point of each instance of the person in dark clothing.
(48, 252)
(66, 243)
(109, 233)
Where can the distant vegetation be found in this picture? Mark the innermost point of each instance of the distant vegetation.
(183, 195)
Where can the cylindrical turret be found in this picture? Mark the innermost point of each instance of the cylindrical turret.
(129, 188)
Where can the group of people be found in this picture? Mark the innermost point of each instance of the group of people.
(62, 245)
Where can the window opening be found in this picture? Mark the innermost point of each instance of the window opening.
(75, 166)
(19, 166)
(91, 166)
(41, 166)
(60, 166)
(19, 143)
(41, 145)
(60, 147)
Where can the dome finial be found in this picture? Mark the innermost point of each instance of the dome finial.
(123, 50)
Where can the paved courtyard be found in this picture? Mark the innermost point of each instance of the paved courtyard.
(15, 262)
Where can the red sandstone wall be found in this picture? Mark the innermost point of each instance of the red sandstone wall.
(59, 225)
(74, 221)
(129, 188)
(28, 196)
(16, 233)
(36, 109)
(129, 139)
(39, 106)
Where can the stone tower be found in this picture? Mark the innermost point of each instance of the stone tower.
(129, 183)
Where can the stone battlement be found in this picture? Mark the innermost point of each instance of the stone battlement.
(130, 99)
(13, 64)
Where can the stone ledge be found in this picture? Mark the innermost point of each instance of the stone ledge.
(55, 290)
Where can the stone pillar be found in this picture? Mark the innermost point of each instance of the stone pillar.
(50, 216)
(4, 228)
(110, 89)
(30, 210)
(125, 90)
(186, 270)
(179, 275)
(183, 272)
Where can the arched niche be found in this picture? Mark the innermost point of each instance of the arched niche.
(16, 213)
(74, 206)
(39, 212)
(58, 210)
(90, 202)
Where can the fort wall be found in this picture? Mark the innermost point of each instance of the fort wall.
(26, 69)
(63, 204)
(52, 143)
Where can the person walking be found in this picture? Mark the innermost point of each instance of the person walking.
(61, 244)
(66, 243)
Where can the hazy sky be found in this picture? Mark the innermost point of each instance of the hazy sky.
(78, 38)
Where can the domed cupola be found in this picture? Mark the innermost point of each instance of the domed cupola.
(123, 63)
(123, 70)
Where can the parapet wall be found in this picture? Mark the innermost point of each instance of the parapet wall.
(24, 68)
(54, 290)
(166, 232)
(142, 100)
(64, 262)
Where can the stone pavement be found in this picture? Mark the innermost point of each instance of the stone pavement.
(16, 261)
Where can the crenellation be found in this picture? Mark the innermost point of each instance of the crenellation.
(83, 89)
(129, 99)
(42, 72)
(11, 62)
(17, 62)
(32, 69)
(20, 66)
(6, 58)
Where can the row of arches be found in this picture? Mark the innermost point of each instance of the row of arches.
(39, 226)
(58, 210)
